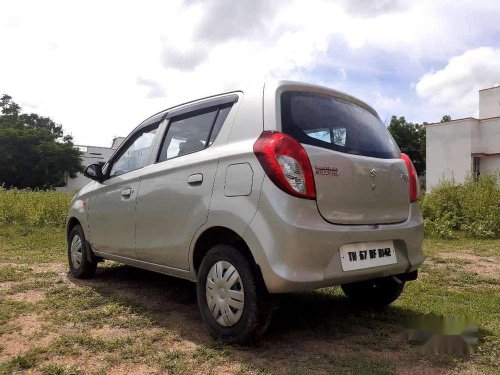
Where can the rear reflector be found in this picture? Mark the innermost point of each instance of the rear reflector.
(413, 179)
(286, 163)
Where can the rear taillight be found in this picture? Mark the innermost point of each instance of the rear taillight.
(286, 163)
(412, 174)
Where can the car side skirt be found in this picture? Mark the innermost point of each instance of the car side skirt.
(176, 272)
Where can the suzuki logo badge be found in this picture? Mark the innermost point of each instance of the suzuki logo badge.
(373, 173)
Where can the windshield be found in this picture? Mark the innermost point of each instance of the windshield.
(336, 124)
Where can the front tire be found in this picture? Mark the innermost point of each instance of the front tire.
(231, 296)
(82, 263)
(374, 293)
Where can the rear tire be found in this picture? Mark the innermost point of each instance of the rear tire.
(82, 262)
(237, 310)
(374, 293)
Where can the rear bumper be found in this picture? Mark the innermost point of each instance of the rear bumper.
(297, 250)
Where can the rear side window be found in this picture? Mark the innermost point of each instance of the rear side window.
(221, 117)
(192, 132)
(336, 124)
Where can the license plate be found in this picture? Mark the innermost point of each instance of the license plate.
(357, 256)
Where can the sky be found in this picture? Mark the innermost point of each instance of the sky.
(101, 67)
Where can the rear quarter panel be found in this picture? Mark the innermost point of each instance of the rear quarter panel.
(240, 133)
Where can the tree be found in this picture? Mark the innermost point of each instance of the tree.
(446, 118)
(410, 138)
(34, 152)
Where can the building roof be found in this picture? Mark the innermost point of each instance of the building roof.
(452, 121)
(461, 120)
(490, 88)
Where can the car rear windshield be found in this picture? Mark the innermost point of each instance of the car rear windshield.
(336, 124)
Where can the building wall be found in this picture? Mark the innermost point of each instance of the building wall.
(486, 144)
(448, 151)
(452, 146)
(91, 155)
(117, 141)
(489, 102)
(486, 137)
(489, 164)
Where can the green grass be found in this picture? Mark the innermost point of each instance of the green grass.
(89, 306)
(174, 361)
(214, 354)
(53, 369)
(9, 273)
(32, 245)
(11, 309)
(18, 363)
(74, 342)
(153, 320)
(480, 247)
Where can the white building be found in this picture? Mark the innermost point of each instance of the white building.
(91, 155)
(465, 146)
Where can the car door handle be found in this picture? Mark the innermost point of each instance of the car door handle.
(195, 179)
(127, 192)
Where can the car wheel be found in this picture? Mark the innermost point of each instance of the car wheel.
(82, 263)
(232, 299)
(374, 293)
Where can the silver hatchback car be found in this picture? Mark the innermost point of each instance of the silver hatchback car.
(281, 188)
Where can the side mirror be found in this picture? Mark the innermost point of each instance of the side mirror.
(94, 172)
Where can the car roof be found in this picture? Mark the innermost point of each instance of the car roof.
(286, 85)
(257, 90)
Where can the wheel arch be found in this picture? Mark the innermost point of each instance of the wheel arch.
(218, 235)
(72, 222)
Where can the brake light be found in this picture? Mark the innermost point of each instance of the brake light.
(412, 174)
(286, 163)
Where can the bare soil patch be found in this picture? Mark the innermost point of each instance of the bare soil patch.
(131, 368)
(483, 266)
(109, 333)
(420, 369)
(7, 285)
(28, 296)
(49, 267)
(84, 362)
(28, 332)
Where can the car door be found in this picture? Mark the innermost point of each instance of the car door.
(112, 204)
(175, 192)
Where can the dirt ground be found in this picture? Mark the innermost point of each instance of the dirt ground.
(127, 320)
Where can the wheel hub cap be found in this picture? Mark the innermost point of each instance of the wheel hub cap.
(76, 251)
(222, 293)
(225, 294)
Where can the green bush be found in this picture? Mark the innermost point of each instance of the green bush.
(33, 207)
(472, 206)
(439, 227)
(481, 206)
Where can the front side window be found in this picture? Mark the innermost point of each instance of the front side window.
(336, 124)
(136, 155)
(192, 132)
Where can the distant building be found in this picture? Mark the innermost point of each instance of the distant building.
(117, 141)
(91, 155)
(465, 146)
